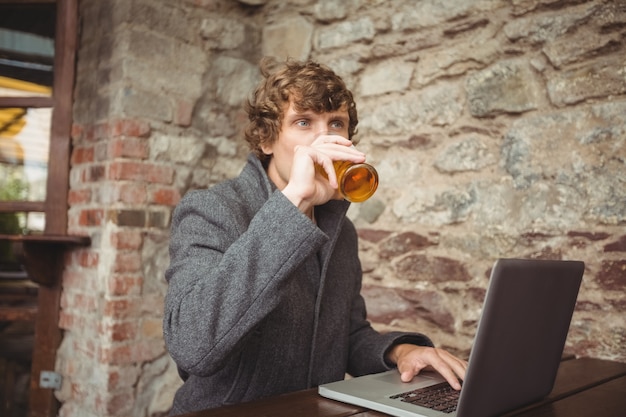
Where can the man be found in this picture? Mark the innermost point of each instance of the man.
(264, 281)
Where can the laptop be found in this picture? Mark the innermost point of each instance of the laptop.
(516, 353)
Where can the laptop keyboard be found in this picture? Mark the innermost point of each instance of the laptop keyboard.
(440, 397)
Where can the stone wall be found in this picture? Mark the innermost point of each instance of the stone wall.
(498, 128)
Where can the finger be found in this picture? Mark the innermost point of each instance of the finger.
(459, 366)
(407, 376)
(329, 169)
(340, 147)
(446, 364)
(330, 138)
(338, 152)
(446, 371)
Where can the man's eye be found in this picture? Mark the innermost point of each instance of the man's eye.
(336, 125)
(302, 123)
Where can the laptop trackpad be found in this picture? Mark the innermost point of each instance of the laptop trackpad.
(393, 378)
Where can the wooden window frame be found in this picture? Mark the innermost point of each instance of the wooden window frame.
(45, 253)
(57, 186)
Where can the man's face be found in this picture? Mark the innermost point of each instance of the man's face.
(301, 129)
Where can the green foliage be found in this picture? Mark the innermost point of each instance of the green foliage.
(11, 189)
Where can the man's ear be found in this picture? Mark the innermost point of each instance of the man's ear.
(266, 147)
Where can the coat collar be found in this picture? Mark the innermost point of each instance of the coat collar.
(329, 216)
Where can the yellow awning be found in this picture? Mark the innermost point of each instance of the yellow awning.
(19, 85)
(33, 144)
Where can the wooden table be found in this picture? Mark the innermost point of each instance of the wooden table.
(584, 388)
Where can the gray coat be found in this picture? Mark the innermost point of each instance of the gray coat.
(261, 301)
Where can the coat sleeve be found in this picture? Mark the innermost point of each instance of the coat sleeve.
(226, 273)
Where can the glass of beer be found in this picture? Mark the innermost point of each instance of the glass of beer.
(357, 182)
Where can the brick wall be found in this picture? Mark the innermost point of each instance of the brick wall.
(498, 129)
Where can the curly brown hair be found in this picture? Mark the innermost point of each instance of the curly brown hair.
(310, 85)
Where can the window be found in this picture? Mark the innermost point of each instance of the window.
(37, 52)
(27, 33)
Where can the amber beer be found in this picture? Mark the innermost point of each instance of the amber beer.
(357, 182)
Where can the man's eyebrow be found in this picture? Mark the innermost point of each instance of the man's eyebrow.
(298, 115)
(338, 116)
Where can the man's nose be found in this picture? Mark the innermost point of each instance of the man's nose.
(321, 130)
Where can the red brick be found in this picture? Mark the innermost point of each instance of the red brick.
(72, 320)
(76, 196)
(83, 133)
(113, 380)
(80, 279)
(124, 284)
(127, 239)
(101, 131)
(165, 196)
(138, 171)
(121, 127)
(116, 355)
(161, 174)
(130, 147)
(77, 131)
(74, 279)
(130, 127)
(66, 320)
(127, 262)
(85, 346)
(93, 173)
(118, 331)
(82, 155)
(86, 258)
(127, 171)
(83, 302)
(120, 308)
(65, 301)
(131, 193)
(91, 217)
(138, 351)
